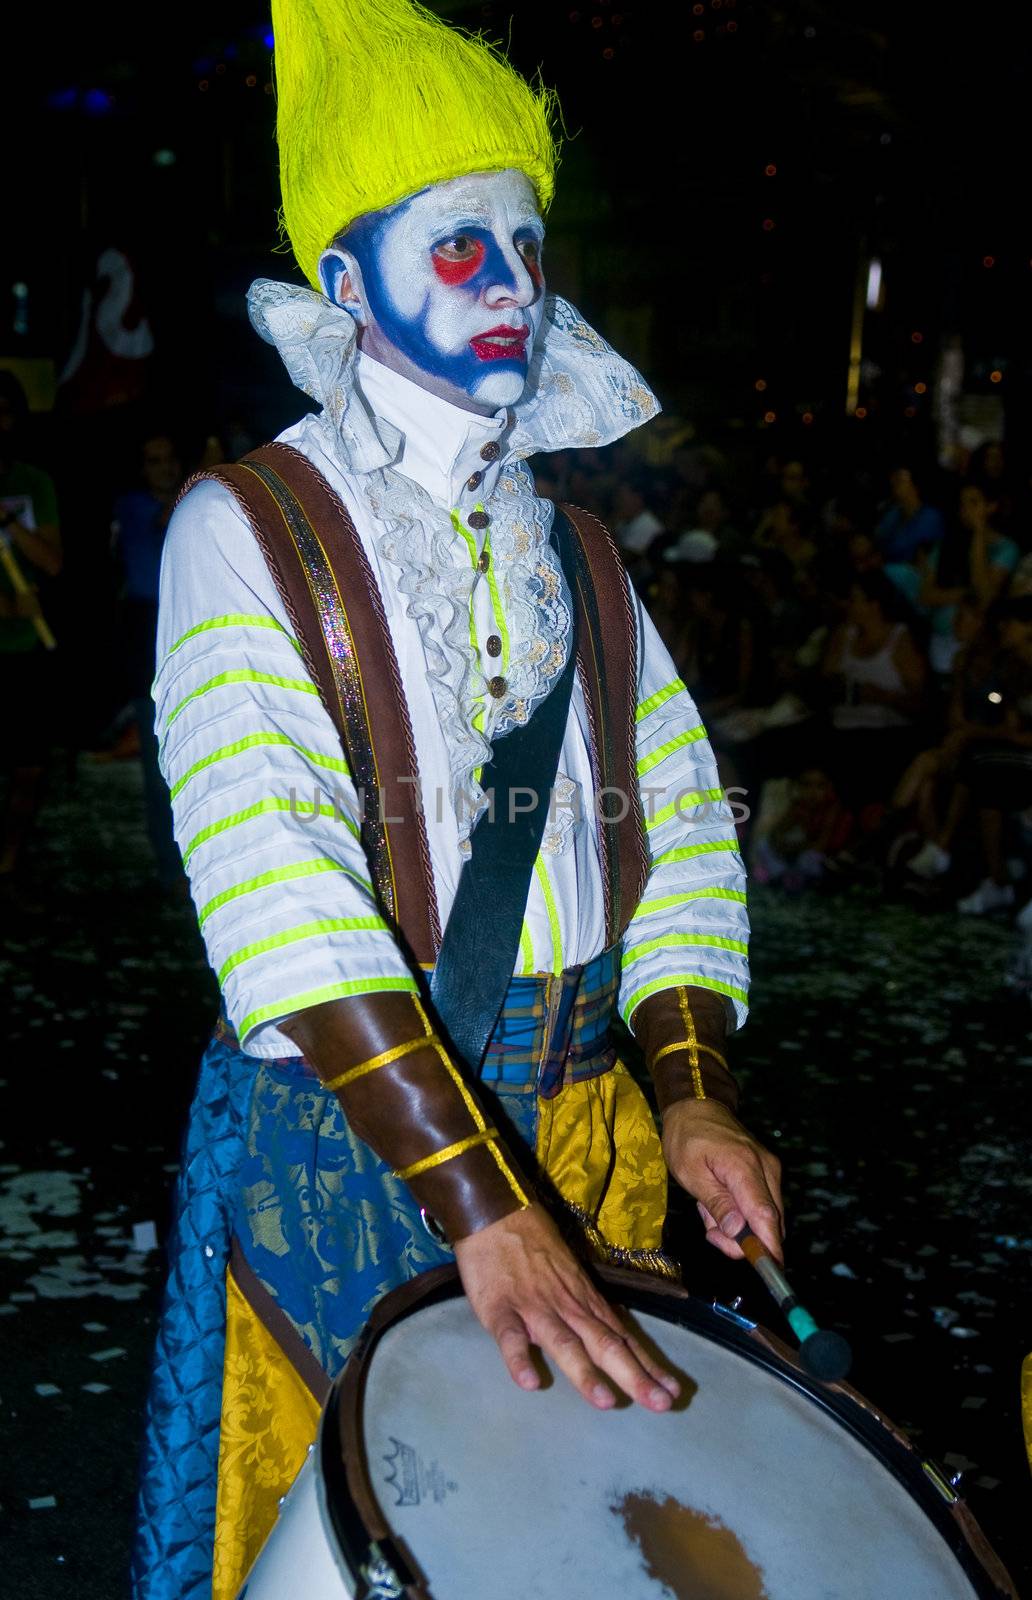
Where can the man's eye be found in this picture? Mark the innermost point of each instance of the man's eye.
(530, 250)
(461, 248)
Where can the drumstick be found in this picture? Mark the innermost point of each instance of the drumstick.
(824, 1354)
(18, 584)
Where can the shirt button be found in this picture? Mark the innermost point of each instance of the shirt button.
(483, 560)
(490, 451)
(479, 519)
(474, 480)
(494, 645)
(497, 687)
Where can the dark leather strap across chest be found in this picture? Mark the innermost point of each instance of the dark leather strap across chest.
(333, 602)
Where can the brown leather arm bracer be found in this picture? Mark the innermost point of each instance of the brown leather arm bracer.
(682, 1033)
(404, 1097)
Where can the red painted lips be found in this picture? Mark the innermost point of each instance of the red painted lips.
(500, 344)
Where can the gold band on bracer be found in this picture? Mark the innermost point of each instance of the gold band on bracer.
(686, 1044)
(449, 1153)
(403, 1095)
(679, 1030)
(384, 1059)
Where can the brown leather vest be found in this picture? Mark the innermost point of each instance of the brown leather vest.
(331, 597)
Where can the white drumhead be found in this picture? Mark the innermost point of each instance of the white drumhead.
(751, 1492)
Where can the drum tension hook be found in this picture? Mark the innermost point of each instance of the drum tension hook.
(732, 1314)
(386, 1571)
(947, 1487)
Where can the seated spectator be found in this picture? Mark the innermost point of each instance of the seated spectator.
(717, 643)
(909, 525)
(668, 609)
(1021, 582)
(989, 470)
(864, 554)
(781, 620)
(974, 559)
(635, 522)
(794, 487)
(29, 687)
(985, 761)
(713, 517)
(783, 527)
(801, 826)
(876, 675)
(138, 535)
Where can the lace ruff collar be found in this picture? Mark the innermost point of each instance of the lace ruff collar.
(579, 393)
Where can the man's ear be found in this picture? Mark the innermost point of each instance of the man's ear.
(341, 278)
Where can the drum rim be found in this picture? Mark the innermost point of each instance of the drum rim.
(358, 1521)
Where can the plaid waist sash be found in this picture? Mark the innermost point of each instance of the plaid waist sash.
(553, 1029)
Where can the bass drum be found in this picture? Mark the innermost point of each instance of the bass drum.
(435, 1478)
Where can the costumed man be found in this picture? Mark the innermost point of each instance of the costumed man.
(444, 803)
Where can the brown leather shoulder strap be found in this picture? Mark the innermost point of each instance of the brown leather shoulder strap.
(331, 597)
(607, 663)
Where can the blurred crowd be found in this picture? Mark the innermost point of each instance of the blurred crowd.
(858, 641)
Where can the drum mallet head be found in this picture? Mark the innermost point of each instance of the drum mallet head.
(824, 1354)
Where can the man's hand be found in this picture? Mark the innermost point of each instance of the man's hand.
(526, 1287)
(733, 1179)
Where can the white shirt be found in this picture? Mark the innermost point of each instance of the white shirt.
(277, 873)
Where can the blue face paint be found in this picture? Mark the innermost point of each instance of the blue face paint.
(449, 286)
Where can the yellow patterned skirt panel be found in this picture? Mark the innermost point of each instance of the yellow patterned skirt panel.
(269, 1418)
(620, 1200)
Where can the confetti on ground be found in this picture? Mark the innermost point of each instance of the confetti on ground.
(145, 1236)
(94, 1327)
(43, 1502)
(107, 1355)
(47, 1389)
(97, 1388)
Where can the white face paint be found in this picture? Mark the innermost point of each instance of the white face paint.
(447, 286)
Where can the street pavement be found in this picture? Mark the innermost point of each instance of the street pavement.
(885, 1061)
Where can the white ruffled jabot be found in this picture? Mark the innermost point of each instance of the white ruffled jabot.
(579, 393)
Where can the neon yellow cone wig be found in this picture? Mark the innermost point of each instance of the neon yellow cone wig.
(377, 99)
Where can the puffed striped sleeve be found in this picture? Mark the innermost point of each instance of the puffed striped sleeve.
(263, 804)
(691, 926)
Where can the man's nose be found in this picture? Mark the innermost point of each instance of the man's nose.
(514, 284)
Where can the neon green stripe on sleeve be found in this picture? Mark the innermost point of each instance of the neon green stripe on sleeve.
(707, 941)
(687, 852)
(665, 902)
(690, 980)
(315, 997)
(658, 699)
(541, 873)
(242, 675)
(696, 797)
(299, 869)
(526, 951)
(306, 930)
(690, 736)
(237, 619)
(263, 808)
(253, 741)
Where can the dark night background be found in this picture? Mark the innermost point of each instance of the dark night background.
(898, 132)
(732, 168)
